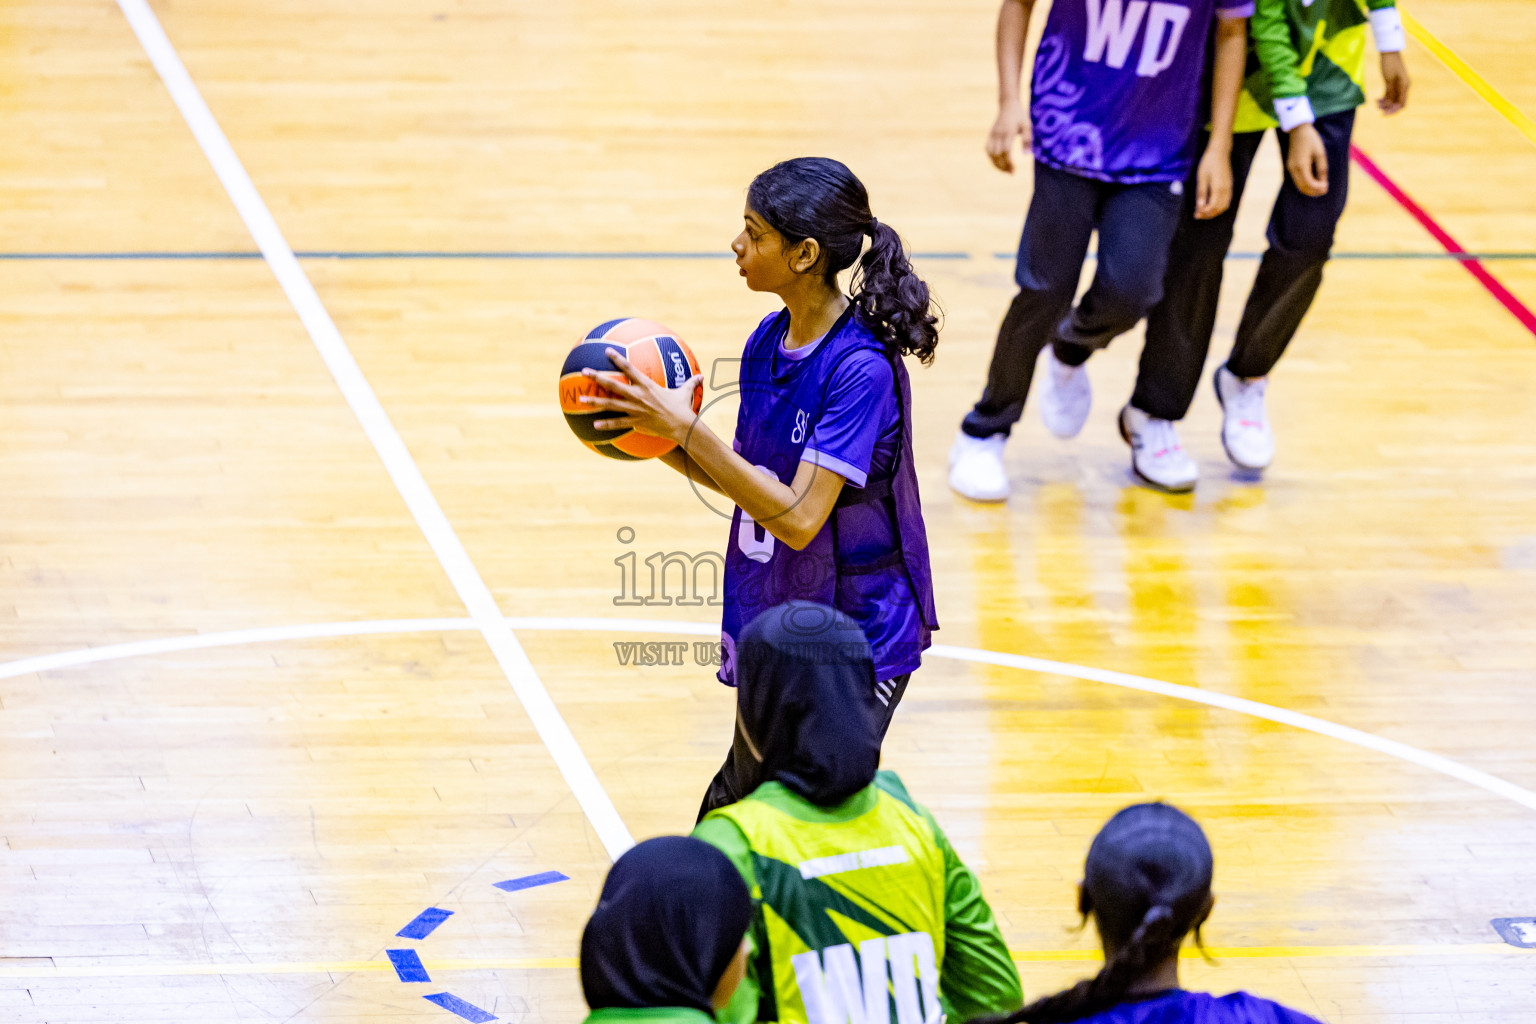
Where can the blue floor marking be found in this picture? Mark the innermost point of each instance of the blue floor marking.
(529, 881)
(408, 965)
(453, 1004)
(423, 923)
(1517, 931)
(495, 254)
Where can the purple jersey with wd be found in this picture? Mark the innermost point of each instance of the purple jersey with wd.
(1180, 1007)
(842, 406)
(1117, 86)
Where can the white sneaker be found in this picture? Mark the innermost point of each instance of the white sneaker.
(976, 467)
(1065, 395)
(1156, 455)
(1245, 432)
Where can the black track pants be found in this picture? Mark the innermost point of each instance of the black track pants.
(1301, 230)
(1135, 224)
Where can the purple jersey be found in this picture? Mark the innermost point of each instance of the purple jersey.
(1117, 86)
(1180, 1007)
(843, 405)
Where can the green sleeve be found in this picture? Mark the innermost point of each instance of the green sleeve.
(1377, 5)
(1270, 30)
(724, 835)
(977, 977)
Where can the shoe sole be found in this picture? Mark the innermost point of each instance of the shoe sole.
(1216, 387)
(1164, 488)
(1000, 499)
(1146, 480)
(980, 501)
(1064, 437)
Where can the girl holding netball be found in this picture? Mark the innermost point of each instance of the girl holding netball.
(1114, 113)
(821, 466)
(1147, 885)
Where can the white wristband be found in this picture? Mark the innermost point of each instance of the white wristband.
(1387, 27)
(1293, 111)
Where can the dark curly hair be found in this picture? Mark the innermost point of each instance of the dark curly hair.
(815, 197)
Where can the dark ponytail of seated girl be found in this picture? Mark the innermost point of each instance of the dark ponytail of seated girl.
(815, 197)
(1147, 884)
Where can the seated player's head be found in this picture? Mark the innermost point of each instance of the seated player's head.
(1146, 885)
(668, 930)
(805, 698)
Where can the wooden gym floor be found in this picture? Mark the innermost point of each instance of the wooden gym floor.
(217, 825)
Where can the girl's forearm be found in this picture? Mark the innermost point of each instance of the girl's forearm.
(1227, 77)
(678, 459)
(769, 502)
(1012, 31)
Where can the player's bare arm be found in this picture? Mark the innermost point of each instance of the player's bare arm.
(794, 513)
(1012, 114)
(1307, 161)
(1394, 72)
(1214, 175)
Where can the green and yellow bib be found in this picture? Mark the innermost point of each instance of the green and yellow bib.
(851, 921)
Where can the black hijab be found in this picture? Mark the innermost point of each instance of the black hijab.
(805, 697)
(671, 916)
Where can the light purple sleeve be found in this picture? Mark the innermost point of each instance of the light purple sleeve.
(860, 408)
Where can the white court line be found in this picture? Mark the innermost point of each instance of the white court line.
(202, 641)
(381, 432)
(1321, 726)
(471, 588)
(1402, 751)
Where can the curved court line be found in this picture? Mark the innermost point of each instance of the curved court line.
(1256, 709)
(381, 433)
(1283, 716)
(232, 638)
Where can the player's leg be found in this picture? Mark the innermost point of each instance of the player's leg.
(1179, 327)
(1136, 227)
(1301, 231)
(738, 777)
(1051, 252)
(888, 693)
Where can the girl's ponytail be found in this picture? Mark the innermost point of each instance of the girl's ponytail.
(892, 298)
(1148, 946)
(815, 197)
(1147, 884)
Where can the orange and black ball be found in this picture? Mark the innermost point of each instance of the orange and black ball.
(653, 350)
